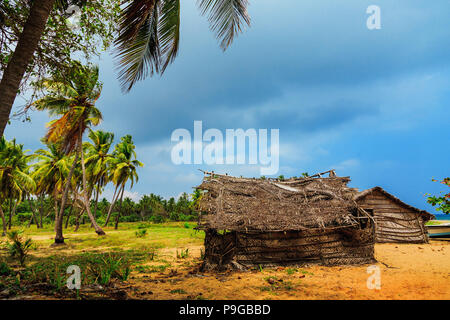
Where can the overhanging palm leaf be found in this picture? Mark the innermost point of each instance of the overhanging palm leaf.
(139, 50)
(149, 34)
(169, 32)
(226, 18)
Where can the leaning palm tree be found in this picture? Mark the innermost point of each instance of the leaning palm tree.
(97, 159)
(15, 181)
(123, 166)
(149, 33)
(72, 98)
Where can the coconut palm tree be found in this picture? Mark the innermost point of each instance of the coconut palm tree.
(72, 98)
(123, 166)
(50, 173)
(149, 33)
(50, 170)
(97, 160)
(15, 180)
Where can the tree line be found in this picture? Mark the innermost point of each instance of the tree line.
(70, 174)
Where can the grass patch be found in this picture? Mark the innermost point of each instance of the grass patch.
(179, 291)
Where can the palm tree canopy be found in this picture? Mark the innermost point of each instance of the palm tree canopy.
(14, 170)
(50, 170)
(72, 98)
(149, 33)
(97, 156)
(124, 163)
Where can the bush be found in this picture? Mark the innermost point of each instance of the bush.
(157, 219)
(5, 270)
(22, 217)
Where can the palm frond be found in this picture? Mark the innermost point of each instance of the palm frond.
(138, 50)
(226, 18)
(169, 32)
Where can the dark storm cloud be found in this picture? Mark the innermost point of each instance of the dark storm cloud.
(293, 45)
(337, 91)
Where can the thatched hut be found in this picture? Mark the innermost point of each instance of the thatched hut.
(252, 222)
(395, 221)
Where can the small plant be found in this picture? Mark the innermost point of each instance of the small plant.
(57, 279)
(183, 254)
(109, 267)
(5, 270)
(141, 233)
(306, 272)
(186, 225)
(19, 247)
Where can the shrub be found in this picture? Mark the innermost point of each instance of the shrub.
(141, 233)
(174, 216)
(157, 219)
(183, 254)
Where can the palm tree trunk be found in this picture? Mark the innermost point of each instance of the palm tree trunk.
(59, 238)
(86, 201)
(111, 206)
(10, 213)
(96, 198)
(22, 56)
(41, 210)
(33, 216)
(120, 210)
(68, 216)
(77, 222)
(56, 214)
(2, 214)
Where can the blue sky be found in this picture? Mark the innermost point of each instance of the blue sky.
(372, 104)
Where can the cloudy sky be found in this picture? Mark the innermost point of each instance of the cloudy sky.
(372, 104)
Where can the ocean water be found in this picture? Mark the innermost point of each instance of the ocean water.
(442, 216)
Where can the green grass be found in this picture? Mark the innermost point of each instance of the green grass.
(435, 223)
(170, 234)
(102, 259)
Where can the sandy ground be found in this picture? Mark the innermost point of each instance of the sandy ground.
(408, 271)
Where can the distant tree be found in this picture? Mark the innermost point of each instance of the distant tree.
(443, 201)
(15, 180)
(123, 164)
(97, 160)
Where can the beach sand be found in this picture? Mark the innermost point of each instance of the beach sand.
(407, 271)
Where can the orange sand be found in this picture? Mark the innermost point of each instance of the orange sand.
(408, 271)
